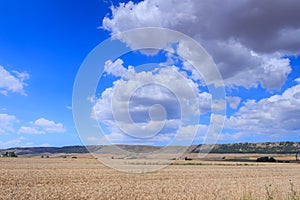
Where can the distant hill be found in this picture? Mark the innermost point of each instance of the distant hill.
(263, 148)
(47, 150)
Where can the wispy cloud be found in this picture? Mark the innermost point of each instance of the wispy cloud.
(7, 123)
(12, 81)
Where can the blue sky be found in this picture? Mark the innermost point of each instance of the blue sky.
(48, 40)
(43, 44)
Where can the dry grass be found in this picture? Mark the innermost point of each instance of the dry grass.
(83, 178)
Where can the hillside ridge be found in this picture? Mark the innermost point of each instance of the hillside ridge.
(264, 148)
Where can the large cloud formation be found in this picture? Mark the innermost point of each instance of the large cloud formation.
(151, 106)
(251, 42)
(247, 39)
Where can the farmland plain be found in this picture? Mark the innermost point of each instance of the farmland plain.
(87, 178)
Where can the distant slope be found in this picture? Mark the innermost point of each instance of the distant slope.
(265, 148)
(47, 150)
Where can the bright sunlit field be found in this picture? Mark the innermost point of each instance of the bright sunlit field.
(86, 178)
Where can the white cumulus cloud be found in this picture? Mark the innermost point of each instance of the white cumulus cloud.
(42, 126)
(12, 81)
(148, 103)
(278, 114)
(30, 130)
(247, 39)
(115, 68)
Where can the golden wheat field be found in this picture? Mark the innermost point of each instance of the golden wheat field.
(86, 178)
